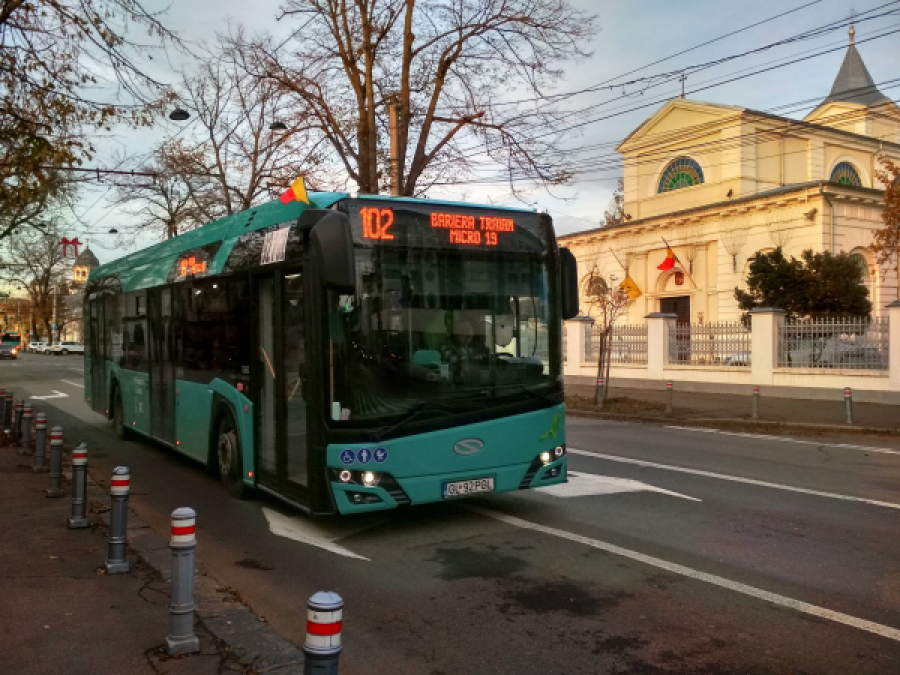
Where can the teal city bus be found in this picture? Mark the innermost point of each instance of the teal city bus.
(348, 354)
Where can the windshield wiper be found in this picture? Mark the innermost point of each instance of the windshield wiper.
(413, 413)
(522, 389)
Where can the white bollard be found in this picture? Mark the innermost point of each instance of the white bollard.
(324, 622)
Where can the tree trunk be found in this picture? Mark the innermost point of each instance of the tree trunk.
(608, 362)
(600, 391)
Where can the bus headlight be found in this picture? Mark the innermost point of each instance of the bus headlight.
(345, 476)
(370, 478)
(559, 451)
(546, 457)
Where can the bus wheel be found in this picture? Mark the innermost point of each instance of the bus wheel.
(228, 454)
(122, 432)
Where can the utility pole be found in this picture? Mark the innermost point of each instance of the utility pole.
(53, 328)
(393, 102)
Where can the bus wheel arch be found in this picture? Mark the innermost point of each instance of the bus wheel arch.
(225, 453)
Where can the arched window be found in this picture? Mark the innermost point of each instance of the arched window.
(845, 174)
(682, 172)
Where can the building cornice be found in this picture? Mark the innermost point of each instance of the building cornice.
(733, 207)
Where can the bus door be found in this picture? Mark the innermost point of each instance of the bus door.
(162, 365)
(280, 370)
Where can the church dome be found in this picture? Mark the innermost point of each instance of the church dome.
(86, 259)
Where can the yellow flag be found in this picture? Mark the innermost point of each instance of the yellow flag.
(630, 287)
(299, 188)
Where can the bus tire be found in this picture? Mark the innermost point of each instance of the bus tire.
(228, 458)
(122, 432)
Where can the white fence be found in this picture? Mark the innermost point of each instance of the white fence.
(628, 343)
(722, 343)
(857, 344)
(863, 355)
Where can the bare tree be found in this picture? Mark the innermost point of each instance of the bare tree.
(256, 141)
(36, 262)
(607, 302)
(67, 66)
(176, 196)
(615, 212)
(733, 241)
(780, 233)
(693, 245)
(440, 67)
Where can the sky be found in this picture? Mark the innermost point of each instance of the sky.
(649, 37)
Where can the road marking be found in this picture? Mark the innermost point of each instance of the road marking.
(56, 394)
(774, 598)
(736, 479)
(589, 484)
(786, 439)
(306, 531)
(74, 384)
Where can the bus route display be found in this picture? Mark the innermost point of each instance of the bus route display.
(446, 227)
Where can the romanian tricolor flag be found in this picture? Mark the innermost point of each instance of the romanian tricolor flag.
(669, 262)
(630, 287)
(297, 192)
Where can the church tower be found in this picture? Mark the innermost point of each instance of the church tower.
(81, 268)
(855, 104)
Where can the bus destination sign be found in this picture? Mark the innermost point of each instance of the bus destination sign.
(380, 224)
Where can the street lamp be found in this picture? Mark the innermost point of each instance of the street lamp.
(179, 115)
(277, 125)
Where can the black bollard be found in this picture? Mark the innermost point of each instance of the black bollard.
(56, 443)
(119, 487)
(79, 488)
(40, 443)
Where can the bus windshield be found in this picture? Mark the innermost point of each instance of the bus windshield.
(439, 325)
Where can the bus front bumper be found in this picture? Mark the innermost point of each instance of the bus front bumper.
(355, 498)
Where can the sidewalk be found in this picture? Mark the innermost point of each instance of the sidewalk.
(696, 407)
(63, 614)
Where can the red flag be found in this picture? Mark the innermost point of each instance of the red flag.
(669, 262)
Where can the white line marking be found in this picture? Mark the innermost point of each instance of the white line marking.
(720, 476)
(589, 484)
(848, 446)
(308, 532)
(774, 598)
(56, 394)
(74, 384)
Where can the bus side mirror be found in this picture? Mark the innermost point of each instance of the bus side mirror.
(332, 243)
(568, 277)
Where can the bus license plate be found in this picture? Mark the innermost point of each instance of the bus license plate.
(461, 488)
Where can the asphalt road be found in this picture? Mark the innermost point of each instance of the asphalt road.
(669, 551)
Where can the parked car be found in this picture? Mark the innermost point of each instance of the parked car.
(36, 347)
(66, 348)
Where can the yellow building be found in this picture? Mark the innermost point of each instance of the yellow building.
(720, 183)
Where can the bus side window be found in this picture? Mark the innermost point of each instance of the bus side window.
(135, 346)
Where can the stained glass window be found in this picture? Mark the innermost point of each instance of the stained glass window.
(845, 174)
(682, 172)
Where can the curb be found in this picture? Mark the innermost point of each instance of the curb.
(712, 421)
(221, 612)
